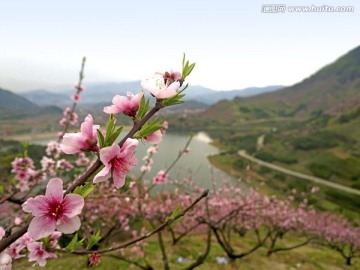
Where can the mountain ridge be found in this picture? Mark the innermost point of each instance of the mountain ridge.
(104, 92)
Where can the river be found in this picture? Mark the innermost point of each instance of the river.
(193, 164)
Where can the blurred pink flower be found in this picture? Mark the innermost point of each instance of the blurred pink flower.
(5, 261)
(94, 259)
(155, 137)
(2, 232)
(75, 97)
(128, 105)
(38, 253)
(53, 211)
(145, 168)
(160, 178)
(118, 162)
(81, 141)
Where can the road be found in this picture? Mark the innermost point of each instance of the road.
(314, 179)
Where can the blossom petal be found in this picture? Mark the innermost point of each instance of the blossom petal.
(54, 189)
(72, 143)
(128, 147)
(41, 227)
(168, 92)
(121, 102)
(69, 225)
(150, 85)
(73, 205)
(112, 109)
(87, 126)
(37, 206)
(155, 137)
(103, 175)
(119, 179)
(135, 101)
(108, 153)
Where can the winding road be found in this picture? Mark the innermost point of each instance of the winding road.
(321, 181)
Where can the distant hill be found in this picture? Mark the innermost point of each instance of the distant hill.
(334, 90)
(11, 101)
(13, 106)
(43, 97)
(104, 92)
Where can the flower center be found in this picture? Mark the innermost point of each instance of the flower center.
(118, 165)
(55, 210)
(159, 81)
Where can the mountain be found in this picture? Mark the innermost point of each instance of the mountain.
(11, 101)
(333, 90)
(104, 92)
(215, 96)
(13, 106)
(43, 97)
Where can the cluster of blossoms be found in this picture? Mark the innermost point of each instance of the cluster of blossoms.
(160, 177)
(35, 250)
(53, 149)
(148, 161)
(70, 117)
(25, 173)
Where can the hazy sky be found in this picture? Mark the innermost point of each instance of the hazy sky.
(234, 44)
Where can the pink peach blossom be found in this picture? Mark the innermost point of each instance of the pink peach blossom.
(128, 105)
(53, 211)
(85, 140)
(162, 85)
(118, 162)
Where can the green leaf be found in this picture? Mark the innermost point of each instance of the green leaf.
(143, 108)
(84, 190)
(146, 223)
(175, 212)
(26, 148)
(174, 100)
(94, 239)
(114, 136)
(101, 138)
(148, 128)
(186, 68)
(110, 127)
(74, 243)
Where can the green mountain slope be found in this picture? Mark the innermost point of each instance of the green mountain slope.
(333, 90)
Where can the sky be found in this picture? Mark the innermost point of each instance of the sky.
(234, 44)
